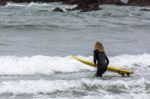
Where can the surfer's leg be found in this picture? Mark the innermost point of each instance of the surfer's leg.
(104, 69)
(99, 72)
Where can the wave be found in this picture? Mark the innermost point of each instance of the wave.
(86, 86)
(124, 1)
(46, 65)
(36, 4)
(120, 96)
(12, 65)
(11, 4)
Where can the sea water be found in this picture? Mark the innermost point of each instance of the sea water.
(36, 44)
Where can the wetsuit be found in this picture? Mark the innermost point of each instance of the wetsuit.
(102, 62)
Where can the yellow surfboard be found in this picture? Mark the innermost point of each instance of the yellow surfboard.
(109, 68)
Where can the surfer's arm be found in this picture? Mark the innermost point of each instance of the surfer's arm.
(94, 57)
(107, 60)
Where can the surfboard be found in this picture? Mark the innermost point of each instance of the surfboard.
(109, 68)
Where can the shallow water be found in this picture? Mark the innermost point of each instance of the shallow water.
(36, 44)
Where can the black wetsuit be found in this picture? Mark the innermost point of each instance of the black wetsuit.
(102, 62)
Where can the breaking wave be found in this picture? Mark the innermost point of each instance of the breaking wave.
(13, 65)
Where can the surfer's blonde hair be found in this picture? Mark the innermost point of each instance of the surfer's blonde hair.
(99, 46)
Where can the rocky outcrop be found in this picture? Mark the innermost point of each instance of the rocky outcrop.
(139, 2)
(127, 2)
(92, 5)
(116, 2)
(145, 9)
(58, 10)
(71, 1)
(3, 2)
(87, 5)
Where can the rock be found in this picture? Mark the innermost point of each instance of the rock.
(127, 2)
(116, 2)
(58, 10)
(71, 1)
(145, 9)
(139, 2)
(87, 5)
(3, 2)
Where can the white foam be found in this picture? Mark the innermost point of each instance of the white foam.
(124, 1)
(120, 96)
(35, 87)
(131, 61)
(32, 4)
(13, 65)
(16, 4)
(92, 87)
(38, 4)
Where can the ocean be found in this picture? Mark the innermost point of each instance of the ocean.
(36, 45)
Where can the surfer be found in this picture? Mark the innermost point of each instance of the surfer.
(100, 59)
